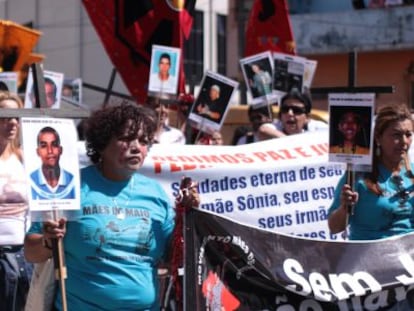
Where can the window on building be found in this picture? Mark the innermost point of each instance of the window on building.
(194, 51)
(221, 44)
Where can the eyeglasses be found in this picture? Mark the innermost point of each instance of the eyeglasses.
(295, 109)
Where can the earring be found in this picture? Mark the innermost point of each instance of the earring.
(378, 150)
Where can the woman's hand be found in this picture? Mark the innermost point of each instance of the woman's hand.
(348, 197)
(338, 220)
(38, 246)
(54, 229)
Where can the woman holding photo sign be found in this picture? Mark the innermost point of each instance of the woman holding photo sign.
(124, 226)
(380, 203)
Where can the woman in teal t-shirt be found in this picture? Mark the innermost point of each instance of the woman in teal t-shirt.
(382, 200)
(125, 222)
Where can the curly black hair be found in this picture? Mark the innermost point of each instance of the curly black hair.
(303, 97)
(112, 121)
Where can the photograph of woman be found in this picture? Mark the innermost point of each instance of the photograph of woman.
(350, 134)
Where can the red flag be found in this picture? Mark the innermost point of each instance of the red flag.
(128, 29)
(269, 28)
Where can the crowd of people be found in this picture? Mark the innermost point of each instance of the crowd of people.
(113, 254)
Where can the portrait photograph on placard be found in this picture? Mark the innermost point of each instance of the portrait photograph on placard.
(53, 90)
(211, 105)
(288, 73)
(164, 70)
(51, 163)
(72, 91)
(350, 128)
(8, 81)
(258, 74)
(309, 72)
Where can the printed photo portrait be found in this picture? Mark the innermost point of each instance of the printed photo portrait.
(258, 76)
(288, 73)
(8, 82)
(350, 132)
(210, 107)
(51, 162)
(164, 70)
(53, 90)
(72, 91)
(309, 73)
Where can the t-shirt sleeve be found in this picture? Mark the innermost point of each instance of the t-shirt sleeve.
(169, 219)
(169, 222)
(36, 227)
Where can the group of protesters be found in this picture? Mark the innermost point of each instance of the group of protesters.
(112, 259)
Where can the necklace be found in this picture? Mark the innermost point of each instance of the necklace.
(402, 194)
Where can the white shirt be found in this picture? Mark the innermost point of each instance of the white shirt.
(13, 193)
(313, 126)
(166, 86)
(171, 135)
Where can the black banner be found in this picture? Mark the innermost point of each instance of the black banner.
(230, 266)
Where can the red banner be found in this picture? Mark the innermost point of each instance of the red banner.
(269, 28)
(128, 29)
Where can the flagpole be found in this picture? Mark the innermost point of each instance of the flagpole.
(210, 15)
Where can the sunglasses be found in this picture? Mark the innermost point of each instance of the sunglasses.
(295, 109)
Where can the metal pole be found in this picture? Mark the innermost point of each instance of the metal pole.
(241, 12)
(352, 68)
(210, 15)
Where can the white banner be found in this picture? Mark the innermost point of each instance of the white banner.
(285, 185)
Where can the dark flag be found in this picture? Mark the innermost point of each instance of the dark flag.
(237, 267)
(128, 29)
(269, 28)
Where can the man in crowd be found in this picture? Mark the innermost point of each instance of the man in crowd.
(165, 133)
(262, 127)
(294, 118)
(261, 82)
(50, 94)
(212, 108)
(294, 114)
(162, 81)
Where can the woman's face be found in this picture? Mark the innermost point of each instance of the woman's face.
(216, 138)
(395, 141)
(349, 126)
(124, 155)
(9, 127)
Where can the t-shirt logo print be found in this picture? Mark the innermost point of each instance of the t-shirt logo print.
(133, 235)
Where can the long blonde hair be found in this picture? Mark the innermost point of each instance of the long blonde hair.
(15, 144)
(386, 116)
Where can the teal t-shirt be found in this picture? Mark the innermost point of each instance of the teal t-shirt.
(113, 248)
(376, 217)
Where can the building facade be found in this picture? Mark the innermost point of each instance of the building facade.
(328, 31)
(382, 38)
